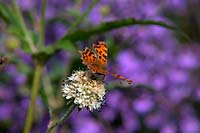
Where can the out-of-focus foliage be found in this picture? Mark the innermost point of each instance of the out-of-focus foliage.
(166, 90)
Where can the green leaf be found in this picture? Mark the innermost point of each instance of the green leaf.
(66, 45)
(4, 13)
(84, 34)
(45, 53)
(12, 29)
(8, 14)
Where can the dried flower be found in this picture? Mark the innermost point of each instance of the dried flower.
(86, 91)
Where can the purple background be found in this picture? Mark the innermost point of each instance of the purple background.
(164, 66)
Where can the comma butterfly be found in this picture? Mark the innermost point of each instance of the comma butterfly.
(96, 62)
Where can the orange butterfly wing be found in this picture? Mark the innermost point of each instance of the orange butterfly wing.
(101, 51)
(87, 56)
(97, 64)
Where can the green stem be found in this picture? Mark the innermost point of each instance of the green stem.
(62, 120)
(42, 24)
(34, 94)
(81, 18)
(23, 27)
(84, 34)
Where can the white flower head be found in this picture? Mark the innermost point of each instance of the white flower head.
(85, 91)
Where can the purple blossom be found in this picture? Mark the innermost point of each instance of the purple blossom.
(60, 30)
(6, 111)
(130, 121)
(178, 76)
(6, 93)
(190, 125)
(155, 120)
(85, 125)
(179, 5)
(113, 99)
(143, 104)
(188, 120)
(168, 128)
(127, 58)
(26, 5)
(18, 77)
(197, 94)
(159, 81)
(109, 114)
(188, 60)
(177, 94)
(26, 58)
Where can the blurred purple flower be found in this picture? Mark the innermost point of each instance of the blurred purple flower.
(6, 111)
(6, 93)
(177, 76)
(179, 5)
(95, 16)
(60, 30)
(26, 58)
(127, 58)
(155, 120)
(42, 126)
(113, 99)
(177, 94)
(188, 60)
(189, 124)
(19, 116)
(130, 120)
(86, 124)
(143, 105)
(150, 9)
(168, 128)
(55, 32)
(18, 78)
(26, 5)
(147, 49)
(108, 114)
(197, 94)
(159, 82)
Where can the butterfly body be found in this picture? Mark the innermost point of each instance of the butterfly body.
(96, 62)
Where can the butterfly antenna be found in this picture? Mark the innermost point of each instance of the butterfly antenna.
(121, 77)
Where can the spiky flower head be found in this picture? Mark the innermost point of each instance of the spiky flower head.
(86, 91)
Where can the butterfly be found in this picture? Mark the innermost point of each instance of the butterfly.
(96, 62)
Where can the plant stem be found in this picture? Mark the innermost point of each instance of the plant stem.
(62, 120)
(80, 19)
(34, 94)
(42, 24)
(84, 34)
(23, 27)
